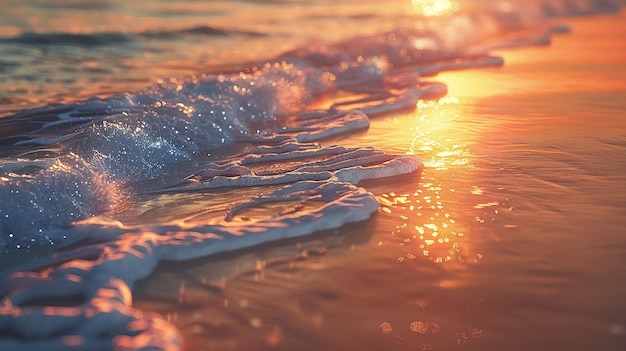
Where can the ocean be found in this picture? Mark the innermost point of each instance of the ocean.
(296, 175)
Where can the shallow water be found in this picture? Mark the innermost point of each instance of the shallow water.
(510, 237)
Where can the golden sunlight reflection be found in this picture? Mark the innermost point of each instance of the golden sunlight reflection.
(436, 219)
(426, 227)
(435, 7)
(429, 135)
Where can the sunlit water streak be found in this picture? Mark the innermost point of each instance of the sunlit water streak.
(478, 250)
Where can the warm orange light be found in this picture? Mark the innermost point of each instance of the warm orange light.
(435, 7)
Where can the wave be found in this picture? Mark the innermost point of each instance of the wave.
(502, 16)
(113, 38)
(69, 168)
(137, 137)
(69, 172)
(79, 39)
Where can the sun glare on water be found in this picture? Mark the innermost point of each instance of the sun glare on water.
(435, 7)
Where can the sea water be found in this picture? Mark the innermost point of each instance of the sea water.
(136, 135)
